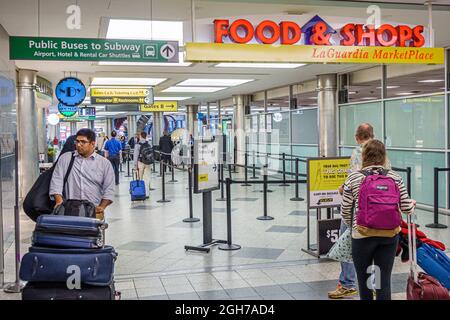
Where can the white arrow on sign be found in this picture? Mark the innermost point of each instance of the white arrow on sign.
(167, 51)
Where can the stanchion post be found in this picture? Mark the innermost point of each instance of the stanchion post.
(128, 165)
(222, 183)
(408, 180)
(254, 166)
(163, 183)
(284, 184)
(265, 216)
(191, 211)
(297, 196)
(436, 224)
(245, 184)
(173, 174)
(229, 245)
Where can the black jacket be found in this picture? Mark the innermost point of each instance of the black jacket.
(165, 144)
(132, 142)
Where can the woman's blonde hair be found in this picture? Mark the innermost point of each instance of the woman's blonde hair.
(373, 153)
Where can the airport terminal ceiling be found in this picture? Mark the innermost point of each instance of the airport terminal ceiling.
(96, 16)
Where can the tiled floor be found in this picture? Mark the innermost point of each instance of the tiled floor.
(153, 264)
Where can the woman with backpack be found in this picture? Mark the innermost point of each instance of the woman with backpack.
(377, 195)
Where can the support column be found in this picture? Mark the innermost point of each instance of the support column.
(42, 132)
(91, 124)
(327, 103)
(157, 127)
(131, 120)
(27, 131)
(73, 127)
(108, 126)
(241, 107)
(191, 117)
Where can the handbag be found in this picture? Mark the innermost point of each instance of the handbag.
(37, 200)
(342, 249)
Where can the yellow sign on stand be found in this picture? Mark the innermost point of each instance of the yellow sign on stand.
(160, 106)
(325, 176)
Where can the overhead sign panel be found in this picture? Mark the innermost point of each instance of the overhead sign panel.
(231, 52)
(160, 106)
(89, 49)
(121, 92)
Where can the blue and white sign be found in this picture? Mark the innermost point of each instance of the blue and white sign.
(70, 91)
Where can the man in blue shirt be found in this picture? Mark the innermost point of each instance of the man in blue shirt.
(113, 152)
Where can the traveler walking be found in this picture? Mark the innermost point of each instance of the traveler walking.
(347, 278)
(374, 237)
(143, 158)
(165, 146)
(91, 177)
(113, 152)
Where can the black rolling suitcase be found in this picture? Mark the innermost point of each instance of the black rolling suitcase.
(59, 291)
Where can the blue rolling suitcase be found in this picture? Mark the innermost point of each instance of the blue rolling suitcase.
(57, 265)
(59, 291)
(137, 189)
(68, 232)
(435, 263)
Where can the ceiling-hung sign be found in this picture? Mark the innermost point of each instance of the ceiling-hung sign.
(160, 106)
(67, 111)
(122, 95)
(70, 91)
(88, 49)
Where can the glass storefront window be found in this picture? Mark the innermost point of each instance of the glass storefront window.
(304, 127)
(352, 115)
(416, 122)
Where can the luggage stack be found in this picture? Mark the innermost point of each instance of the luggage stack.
(69, 261)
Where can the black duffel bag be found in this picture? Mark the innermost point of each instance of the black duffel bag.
(38, 201)
(78, 208)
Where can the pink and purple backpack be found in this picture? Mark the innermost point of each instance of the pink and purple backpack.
(379, 202)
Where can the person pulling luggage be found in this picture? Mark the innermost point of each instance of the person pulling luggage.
(91, 177)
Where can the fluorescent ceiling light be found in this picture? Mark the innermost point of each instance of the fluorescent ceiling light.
(97, 81)
(214, 82)
(431, 81)
(369, 98)
(390, 87)
(171, 98)
(181, 63)
(352, 92)
(259, 65)
(404, 93)
(194, 89)
(145, 30)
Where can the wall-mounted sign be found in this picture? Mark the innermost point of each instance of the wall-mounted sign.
(318, 32)
(67, 111)
(325, 176)
(121, 92)
(87, 49)
(70, 91)
(231, 52)
(87, 113)
(277, 117)
(160, 106)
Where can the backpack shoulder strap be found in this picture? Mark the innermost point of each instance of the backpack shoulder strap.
(66, 176)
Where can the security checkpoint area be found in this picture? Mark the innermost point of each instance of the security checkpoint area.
(222, 139)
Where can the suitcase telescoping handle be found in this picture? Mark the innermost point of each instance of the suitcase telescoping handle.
(412, 245)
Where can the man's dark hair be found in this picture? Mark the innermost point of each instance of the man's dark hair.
(113, 134)
(87, 133)
(144, 135)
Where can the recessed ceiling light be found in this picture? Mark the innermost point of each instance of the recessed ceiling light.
(171, 98)
(214, 82)
(431, 81)
(390, 87)
(193, 89)
(259, 65)
(97, 81)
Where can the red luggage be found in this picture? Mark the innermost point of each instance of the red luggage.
(421, 286)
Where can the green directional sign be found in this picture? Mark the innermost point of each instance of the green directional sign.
(86, 49)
